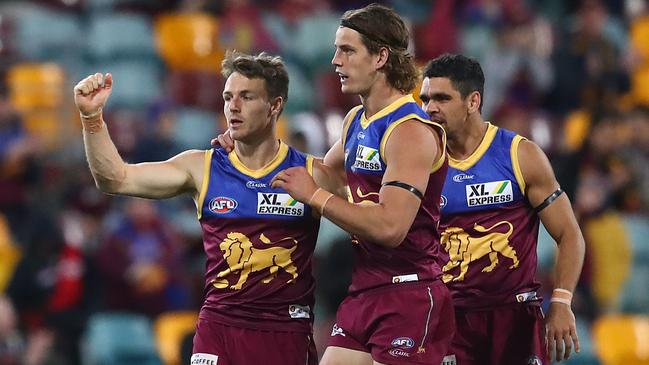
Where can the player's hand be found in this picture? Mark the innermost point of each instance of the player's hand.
(297, 182)
(561, 332)
(91, 93)
(224, 140)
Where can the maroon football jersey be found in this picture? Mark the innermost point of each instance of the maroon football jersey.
(489, 230)
(259, 243)
(416, 257)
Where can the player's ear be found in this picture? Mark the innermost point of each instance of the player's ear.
(475, 100)
(384, 54)
(276, 105)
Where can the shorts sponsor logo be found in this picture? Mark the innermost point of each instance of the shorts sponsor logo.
(534, 360)
(222, 205)
(449, 360)
(526, 297)
(367, 158)
(398, 353)
(494, 192)
(279, 204)
(255, 185)
(299, 311)
(204, 359)
(461, 177)
(403, 342)
(404, 278)
(337, 331)
(443, 201)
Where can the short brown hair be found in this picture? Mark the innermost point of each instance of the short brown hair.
(263, 66)
(380, 26)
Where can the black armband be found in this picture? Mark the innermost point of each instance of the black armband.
(408, 187)
(548, 200)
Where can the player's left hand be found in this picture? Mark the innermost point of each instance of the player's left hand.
(297, 182)
(561, 332)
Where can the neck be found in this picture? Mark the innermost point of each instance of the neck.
(378, 97)
(257, 154)
(462, 145)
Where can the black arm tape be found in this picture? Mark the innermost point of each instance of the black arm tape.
(408, 187)
(548, 200)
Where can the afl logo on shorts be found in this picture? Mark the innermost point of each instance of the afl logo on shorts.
(442, 201)
(403, 342)
(222, 205)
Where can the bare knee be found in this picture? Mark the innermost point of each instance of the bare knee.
(342, 356)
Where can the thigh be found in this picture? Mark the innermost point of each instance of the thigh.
(343, 356)
(241, 346)
(519, 336)
(471, 343)
(413, 325)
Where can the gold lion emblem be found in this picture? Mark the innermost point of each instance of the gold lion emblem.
(243, 258)
(464, 249)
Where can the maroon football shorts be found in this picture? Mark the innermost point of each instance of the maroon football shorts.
(218, 344)
(406, 323)
(512, 334)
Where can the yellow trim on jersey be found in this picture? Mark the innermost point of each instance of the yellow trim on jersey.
(256, 174)
(207, 164)
(387, 110)
(388, 131)
(347, 122)
(515, 163)
(477, 154)
(309, 164)
(437, 165)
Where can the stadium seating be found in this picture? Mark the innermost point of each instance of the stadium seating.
(119, 339)
(170, 329)
(37, 91)
(622, 340)
(194, 128)
(189, 41)
(114, 36)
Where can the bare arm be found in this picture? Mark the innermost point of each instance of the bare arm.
(559, 219)
(182, 173)
(387, 222)
(329, 178)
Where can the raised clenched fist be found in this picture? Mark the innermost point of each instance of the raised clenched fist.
(91, 93)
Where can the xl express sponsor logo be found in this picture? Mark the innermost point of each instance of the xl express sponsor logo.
(494, 192)
(367, 158)
(279, 204)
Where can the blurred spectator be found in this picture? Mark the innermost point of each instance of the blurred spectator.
(140, 262)
(587, 60)
(11, 341)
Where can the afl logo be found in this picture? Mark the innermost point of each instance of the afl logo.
(222, 205)
(442, 201)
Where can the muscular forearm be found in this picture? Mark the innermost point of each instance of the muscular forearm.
(368, 221)
(570, 260)
(106, 165)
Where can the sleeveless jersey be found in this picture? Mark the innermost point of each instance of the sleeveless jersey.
(364, 143)
(259, 243)
(489, 231)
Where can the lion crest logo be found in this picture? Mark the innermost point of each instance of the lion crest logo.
(464, 249)
(244, 259)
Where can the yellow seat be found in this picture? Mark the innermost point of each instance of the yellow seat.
(639, 39)
(9, 254)
(622, 340)
(189, 41)
(170, 329)
(36, 85)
